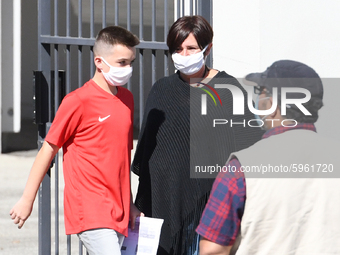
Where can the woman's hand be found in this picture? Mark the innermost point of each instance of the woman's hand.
(134, 213)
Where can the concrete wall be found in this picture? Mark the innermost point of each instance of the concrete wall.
(27, 137)
(251, 34)
(10, 65)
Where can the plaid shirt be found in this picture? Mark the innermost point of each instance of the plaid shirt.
(222, 215)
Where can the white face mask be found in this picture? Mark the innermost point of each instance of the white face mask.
(190, 64)
(117, 76)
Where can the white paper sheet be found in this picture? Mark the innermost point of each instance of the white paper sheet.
(144, 239)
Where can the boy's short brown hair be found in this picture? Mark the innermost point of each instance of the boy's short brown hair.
(112, 35)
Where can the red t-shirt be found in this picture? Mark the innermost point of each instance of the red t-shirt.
(95, 130)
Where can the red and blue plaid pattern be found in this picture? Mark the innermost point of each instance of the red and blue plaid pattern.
(222, 215)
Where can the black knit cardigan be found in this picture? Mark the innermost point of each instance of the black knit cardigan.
(174, 139)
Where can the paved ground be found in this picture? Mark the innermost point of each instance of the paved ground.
(14, 170)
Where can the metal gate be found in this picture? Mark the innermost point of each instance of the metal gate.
(66, 34)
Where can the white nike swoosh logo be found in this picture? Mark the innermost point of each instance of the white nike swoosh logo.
(102, 119)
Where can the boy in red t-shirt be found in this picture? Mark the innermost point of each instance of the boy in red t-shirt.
(94, 126)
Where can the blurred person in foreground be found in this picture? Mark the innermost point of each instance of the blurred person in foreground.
(277, 198)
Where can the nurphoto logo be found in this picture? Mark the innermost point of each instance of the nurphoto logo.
(238, 103)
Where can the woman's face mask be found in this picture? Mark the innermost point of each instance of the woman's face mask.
(190, 64)
(117, 76)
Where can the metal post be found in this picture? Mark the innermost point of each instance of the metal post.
(80, 48)
(104, 14)
(141, 66)
(205, 9)
(116, 12)
(153, 38)
(92, 36)
(68, 47)
(166, 27)
(128, 23)
(55, 107)
(44, 65)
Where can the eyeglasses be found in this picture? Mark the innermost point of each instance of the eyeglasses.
(259, 89)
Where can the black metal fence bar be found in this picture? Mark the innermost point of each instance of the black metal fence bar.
(68, 90)
(56, 105)
(80, 18)
(141, 66)
(80, 48)
(92, 18)
(92, 36)
(153, 38)
(92, 66)
(128, 15)
(153, 21)
(165, 52)
(141, 87)
(141, 20)
(68, 18)
(55, 17)
(128, 27)
(80, 248)
(191, 7)
(56, 166)
(68, 85)
(116, 12)
(153, 66)
(44, 196)
(48, 39)
(80, 59)
(104, 13)
(68, 243)
(80, 78)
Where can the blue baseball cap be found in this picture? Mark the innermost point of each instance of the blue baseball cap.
(288, 73)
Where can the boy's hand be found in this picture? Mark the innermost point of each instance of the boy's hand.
(23, 208)
(21, 211)
(134, 213)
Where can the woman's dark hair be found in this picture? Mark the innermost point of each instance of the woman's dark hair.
(180, 30)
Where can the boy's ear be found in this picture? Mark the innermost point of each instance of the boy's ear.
(98, 62)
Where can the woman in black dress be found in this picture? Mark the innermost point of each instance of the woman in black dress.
(176, 139)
